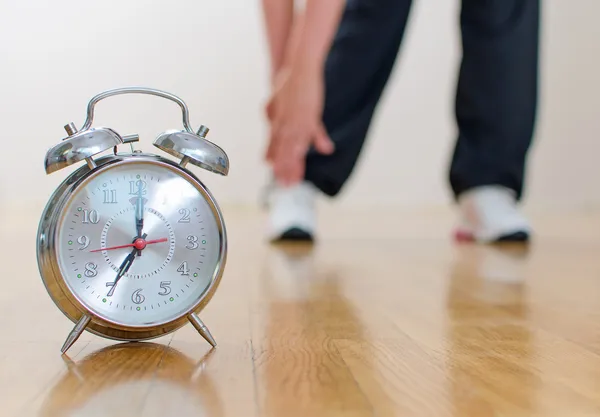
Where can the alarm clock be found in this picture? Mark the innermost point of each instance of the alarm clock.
(132, 246)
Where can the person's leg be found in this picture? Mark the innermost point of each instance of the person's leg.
(357, 70)
(496, 103)
(360, 61)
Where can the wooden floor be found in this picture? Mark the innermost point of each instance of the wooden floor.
(385, 316)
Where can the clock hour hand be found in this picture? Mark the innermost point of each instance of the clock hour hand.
(123, 269)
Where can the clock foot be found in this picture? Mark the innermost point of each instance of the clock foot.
(202, 329)
(75, 333)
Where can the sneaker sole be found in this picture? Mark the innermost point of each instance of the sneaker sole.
(516, 237)
(294, 235)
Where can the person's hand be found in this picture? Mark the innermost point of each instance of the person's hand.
(295, 112)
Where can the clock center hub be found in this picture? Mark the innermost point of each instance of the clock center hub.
(156, 249)
(139, 243)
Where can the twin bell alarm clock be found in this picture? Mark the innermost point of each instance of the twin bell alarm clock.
(131, 246)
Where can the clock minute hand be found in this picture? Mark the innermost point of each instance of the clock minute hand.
(124, 268)
(139, 214)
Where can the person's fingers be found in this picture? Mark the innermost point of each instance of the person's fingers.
(289, 156)
(322, 142)
(297, 172)
(271, 146)
(274, 128)
(289, 171)
(270, 109)
(295, 164)
(283, 157)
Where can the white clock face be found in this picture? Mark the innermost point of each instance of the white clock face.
(138, 244)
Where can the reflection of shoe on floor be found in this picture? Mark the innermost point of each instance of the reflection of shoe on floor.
(489, 215)
(292, 215)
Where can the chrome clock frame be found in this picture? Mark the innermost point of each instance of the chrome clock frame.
(82, 146)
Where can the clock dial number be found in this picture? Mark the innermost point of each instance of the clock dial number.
(166, 286)
(84, 241)
(193, 242)
(110, 197)
(137, 297)
(90, 216)
(185, 216)
(183, 268)
(134, 187)
(91, 270)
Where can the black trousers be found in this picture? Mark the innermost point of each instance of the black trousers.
(496, 94)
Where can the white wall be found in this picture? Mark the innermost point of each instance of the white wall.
(56, 55)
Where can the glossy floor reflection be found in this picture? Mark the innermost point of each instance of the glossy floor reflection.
(145, 372)
(394, 322)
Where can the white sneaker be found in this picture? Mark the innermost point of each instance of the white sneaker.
(489, 214)
(292, 213)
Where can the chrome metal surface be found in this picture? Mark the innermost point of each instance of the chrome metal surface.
(131, 138)
(70, 128)
(88, 142)
(137, 90)
(90, 163)
(203, 131)
(184, 161)
(76, 332)
(79, 146)
(201, 152)
(50, 249)
(202, 329)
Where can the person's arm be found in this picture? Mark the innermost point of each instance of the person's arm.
(278, 17)
(296, 107)
(313, 34)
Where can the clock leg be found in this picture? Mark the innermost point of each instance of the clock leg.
(202, 329)
(75, 333)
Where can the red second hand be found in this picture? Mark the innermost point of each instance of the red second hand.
(131, 245)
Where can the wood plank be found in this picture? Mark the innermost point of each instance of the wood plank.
(386, 317)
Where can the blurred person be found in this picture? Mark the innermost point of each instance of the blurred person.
(329, 66)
